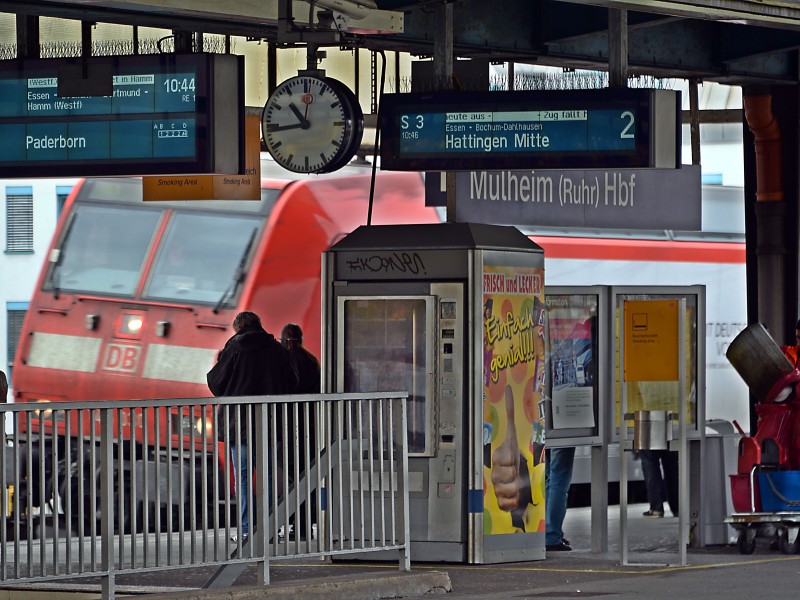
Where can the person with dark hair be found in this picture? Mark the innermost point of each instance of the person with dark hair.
(308, 369)
(308, 372)
(252, 363)
(3, 387)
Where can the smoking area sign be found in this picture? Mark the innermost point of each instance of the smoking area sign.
(651, 340)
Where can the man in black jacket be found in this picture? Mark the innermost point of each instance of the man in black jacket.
(252, 363)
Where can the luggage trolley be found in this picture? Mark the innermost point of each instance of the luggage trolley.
(748, 525)
(765, 491)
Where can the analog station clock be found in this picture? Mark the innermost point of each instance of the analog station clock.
(312, 124)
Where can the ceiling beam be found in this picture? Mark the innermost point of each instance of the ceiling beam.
(770, 13)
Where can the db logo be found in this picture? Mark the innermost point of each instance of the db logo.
(122, 358)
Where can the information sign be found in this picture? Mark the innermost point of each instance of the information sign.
(651, 340)
(530, 129)
(213, 187)
(167, 113)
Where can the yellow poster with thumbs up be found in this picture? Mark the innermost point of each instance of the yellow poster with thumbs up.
(513, 399)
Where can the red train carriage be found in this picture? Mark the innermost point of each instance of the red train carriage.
(136, 298)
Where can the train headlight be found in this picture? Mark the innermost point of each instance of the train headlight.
(43, 413)
(193, 426)
(130, 324)
(50, 413)
(182, 425)
(208, 424)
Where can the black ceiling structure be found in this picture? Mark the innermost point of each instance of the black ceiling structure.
(736, 42)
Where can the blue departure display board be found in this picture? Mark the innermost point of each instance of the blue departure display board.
(530, 129)
(161, 117)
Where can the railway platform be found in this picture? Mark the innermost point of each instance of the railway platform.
(652, 570)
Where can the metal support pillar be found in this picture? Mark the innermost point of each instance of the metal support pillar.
(617, 78)
(184, 41)
(272, 68)
(599, 496)
(374, 92)
(771, 116)
(86, 38)
(107, 564)
(28, 37)
(694, 123)
(443, 74)
(396, 73)
(683, 448)
(617, 48)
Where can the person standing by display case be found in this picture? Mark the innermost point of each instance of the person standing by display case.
(558, 475)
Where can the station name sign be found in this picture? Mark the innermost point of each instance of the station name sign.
(619, 128)
(641, 199)
(156, 114)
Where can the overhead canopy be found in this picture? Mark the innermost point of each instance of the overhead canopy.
(733, 41)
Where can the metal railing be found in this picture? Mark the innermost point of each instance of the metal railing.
(104, 489)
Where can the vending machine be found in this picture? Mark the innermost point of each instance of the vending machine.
(454, 315)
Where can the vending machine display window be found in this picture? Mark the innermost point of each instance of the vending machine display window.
(386, 348)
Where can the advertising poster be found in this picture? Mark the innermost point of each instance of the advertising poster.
(513, 399)
(572, 360)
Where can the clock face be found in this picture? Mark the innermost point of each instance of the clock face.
(312, 124)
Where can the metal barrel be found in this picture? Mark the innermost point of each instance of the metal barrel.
(652, 430)
(758, 359)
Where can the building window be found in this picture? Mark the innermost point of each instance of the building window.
(19, 219)
(62, 191)
(15, 316)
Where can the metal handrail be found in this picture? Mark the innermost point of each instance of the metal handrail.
(106, 488)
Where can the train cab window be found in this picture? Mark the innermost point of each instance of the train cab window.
(201, 257)
(103, 250)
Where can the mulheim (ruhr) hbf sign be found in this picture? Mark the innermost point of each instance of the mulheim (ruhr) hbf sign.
(605, 198)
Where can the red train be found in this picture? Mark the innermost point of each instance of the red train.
(137, 298)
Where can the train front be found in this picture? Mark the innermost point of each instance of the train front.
(135, 299)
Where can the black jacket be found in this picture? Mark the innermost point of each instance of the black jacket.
(252, 363)
(308, 370)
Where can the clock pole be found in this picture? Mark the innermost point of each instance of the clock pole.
(313, 57)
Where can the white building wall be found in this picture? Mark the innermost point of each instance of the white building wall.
(19, 271)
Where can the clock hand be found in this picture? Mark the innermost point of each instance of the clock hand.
(303, 121)
(272, 128)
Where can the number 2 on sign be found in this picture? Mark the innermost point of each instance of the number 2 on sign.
(627, 132)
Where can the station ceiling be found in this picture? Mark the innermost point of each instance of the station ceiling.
(738, 42)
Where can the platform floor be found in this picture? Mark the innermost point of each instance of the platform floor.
(652, 570)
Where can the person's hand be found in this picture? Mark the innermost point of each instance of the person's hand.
(505, 463)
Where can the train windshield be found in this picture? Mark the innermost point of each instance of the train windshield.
(202, 257)
(103, 252)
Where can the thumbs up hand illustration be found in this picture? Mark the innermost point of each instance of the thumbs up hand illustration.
(506, 463)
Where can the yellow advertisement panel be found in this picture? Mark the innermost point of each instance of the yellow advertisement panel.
(513, 397)
(213, 187)
(651, 340)
(660, 395)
